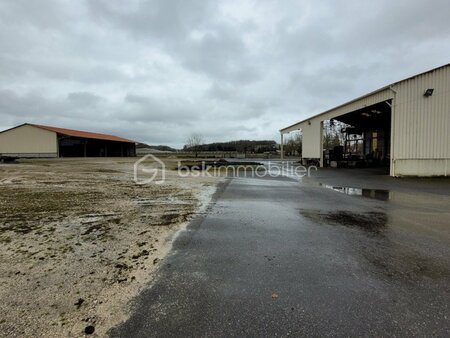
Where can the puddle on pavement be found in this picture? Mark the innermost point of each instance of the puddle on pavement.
(368, 221)
(388, 258)
(379, 194)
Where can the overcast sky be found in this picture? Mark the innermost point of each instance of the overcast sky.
(157, 71)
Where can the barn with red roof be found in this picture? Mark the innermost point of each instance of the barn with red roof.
(35, 140)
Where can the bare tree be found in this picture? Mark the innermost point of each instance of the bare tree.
(293, 145)
(193, 143)
(298, 145)
(332, 135)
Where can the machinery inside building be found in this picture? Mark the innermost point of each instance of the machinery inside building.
(366, 138)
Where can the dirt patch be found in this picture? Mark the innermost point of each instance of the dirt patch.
(368, 221)
(79, 239)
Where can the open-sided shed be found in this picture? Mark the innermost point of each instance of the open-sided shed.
(409, 121)
(33, 140)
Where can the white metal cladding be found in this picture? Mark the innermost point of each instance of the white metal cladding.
(421, 125)
(425, 167)
(311, 138)
(27, 140)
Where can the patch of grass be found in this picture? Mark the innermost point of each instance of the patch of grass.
(25, 210)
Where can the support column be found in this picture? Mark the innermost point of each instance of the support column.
(321, 144)
(392, 150)
(282, 146)
(58, 152)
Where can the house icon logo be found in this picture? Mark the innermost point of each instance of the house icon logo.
(149, 169)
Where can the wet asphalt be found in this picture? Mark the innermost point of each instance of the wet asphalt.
(278, 258)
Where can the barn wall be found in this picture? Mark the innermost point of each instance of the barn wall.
(421, 125)
(28, 141)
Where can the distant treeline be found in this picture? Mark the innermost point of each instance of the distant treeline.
(242, 146)
(159, 147)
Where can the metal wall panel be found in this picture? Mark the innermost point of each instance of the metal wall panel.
(28, 140)
(421, 125)
(427, 167)
(311, 138)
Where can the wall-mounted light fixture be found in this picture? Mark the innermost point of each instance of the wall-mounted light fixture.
(428, 92)
(309, 123)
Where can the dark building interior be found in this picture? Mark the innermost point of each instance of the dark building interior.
(70, 146)
(367, 137)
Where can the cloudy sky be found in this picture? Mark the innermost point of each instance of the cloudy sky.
(158, 71)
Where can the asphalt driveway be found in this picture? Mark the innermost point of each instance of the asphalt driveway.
(278, 258)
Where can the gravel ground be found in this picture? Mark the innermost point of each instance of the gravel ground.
(79, 239)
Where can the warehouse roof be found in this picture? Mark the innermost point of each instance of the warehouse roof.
(84, 134)
(78, 133)
(366, 95)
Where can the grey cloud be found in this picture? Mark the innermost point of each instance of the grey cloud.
(47, 15)
(159, 20)
(241, 104)
(221, 92)
(221, 54)
(61, 70)
(156, 71)
(148, 109)
(84, 99)
(29, 106)
(187, 30)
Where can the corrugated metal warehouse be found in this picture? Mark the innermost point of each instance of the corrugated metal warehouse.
(32, 140)
(407, 123)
